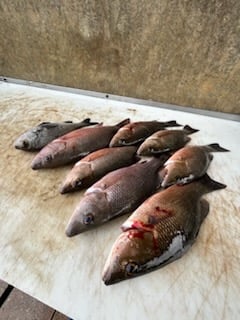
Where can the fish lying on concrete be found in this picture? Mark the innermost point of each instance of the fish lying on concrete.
(117, 193)
(75, 145)
(98, 163)
(160, 231)
(188, 163)
(39, 136)
(165, 141)
(136, 132)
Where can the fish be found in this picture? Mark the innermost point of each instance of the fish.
(136, 132)
(159, 231)
(75, 145)
(117, 193)
(187, 164)
(39, 136)
(165, 141)
(95, 165)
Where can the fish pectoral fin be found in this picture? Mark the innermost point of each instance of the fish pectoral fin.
(124, 143)
(160, 151)
(185, 180)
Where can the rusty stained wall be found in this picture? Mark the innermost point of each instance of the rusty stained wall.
(180, 52)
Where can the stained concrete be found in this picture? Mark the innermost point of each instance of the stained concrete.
(181, 52)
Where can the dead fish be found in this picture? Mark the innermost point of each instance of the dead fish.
(75, 145)
(94, 166)
(117, 193)
(136, 132)
(160, 231)
(165, 141)
(188, 163)
(39, 136)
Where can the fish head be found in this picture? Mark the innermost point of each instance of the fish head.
(48, 155)
(90, 212)
(42, 161)
(130, 256)
(122, 137)
(150, 146)
(25, 141)
(76, 179)
(174, 173)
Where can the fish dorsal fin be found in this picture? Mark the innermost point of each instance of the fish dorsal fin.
(87, 120)
(48, 124)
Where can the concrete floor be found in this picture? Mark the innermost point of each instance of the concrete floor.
(16, 305)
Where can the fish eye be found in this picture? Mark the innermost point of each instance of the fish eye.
(25, 144)
(88, 219)
(131, 268)
(78, 183)
(48, 158)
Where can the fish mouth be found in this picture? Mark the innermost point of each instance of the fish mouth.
(75, 227)
(18, 146)
(109, 278)
(66, 189)
(35, 165)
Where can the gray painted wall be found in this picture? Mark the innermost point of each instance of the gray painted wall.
(181, 52)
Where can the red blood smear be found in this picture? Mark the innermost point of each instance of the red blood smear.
(165, 211)
(136, 234)
(139, 234)
(138, 225)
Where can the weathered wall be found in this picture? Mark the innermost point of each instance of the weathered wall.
(181, 52)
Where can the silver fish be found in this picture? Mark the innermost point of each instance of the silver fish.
(39, 136)
(94, 166)
(117, 193)
(165, 141)
(75, 145)
(188, 163)
(160, 231)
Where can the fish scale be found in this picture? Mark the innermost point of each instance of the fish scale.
(122, 191)
(160, 230)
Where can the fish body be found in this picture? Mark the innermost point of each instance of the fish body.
(75, 145)
(188, 163)
(160, 231)
(165, 141)
(117, 193)
(95, 165)
(39, 136)
(136, 132)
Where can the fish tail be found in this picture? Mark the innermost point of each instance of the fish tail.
(215, 147)
(171, 123)
(189, 130)
(123, 123)
(210, 184)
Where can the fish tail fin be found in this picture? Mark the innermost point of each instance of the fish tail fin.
(215, 147)
(88, 120)
(189, 130)
(171, 123)
(210, 185)
(123, 123)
